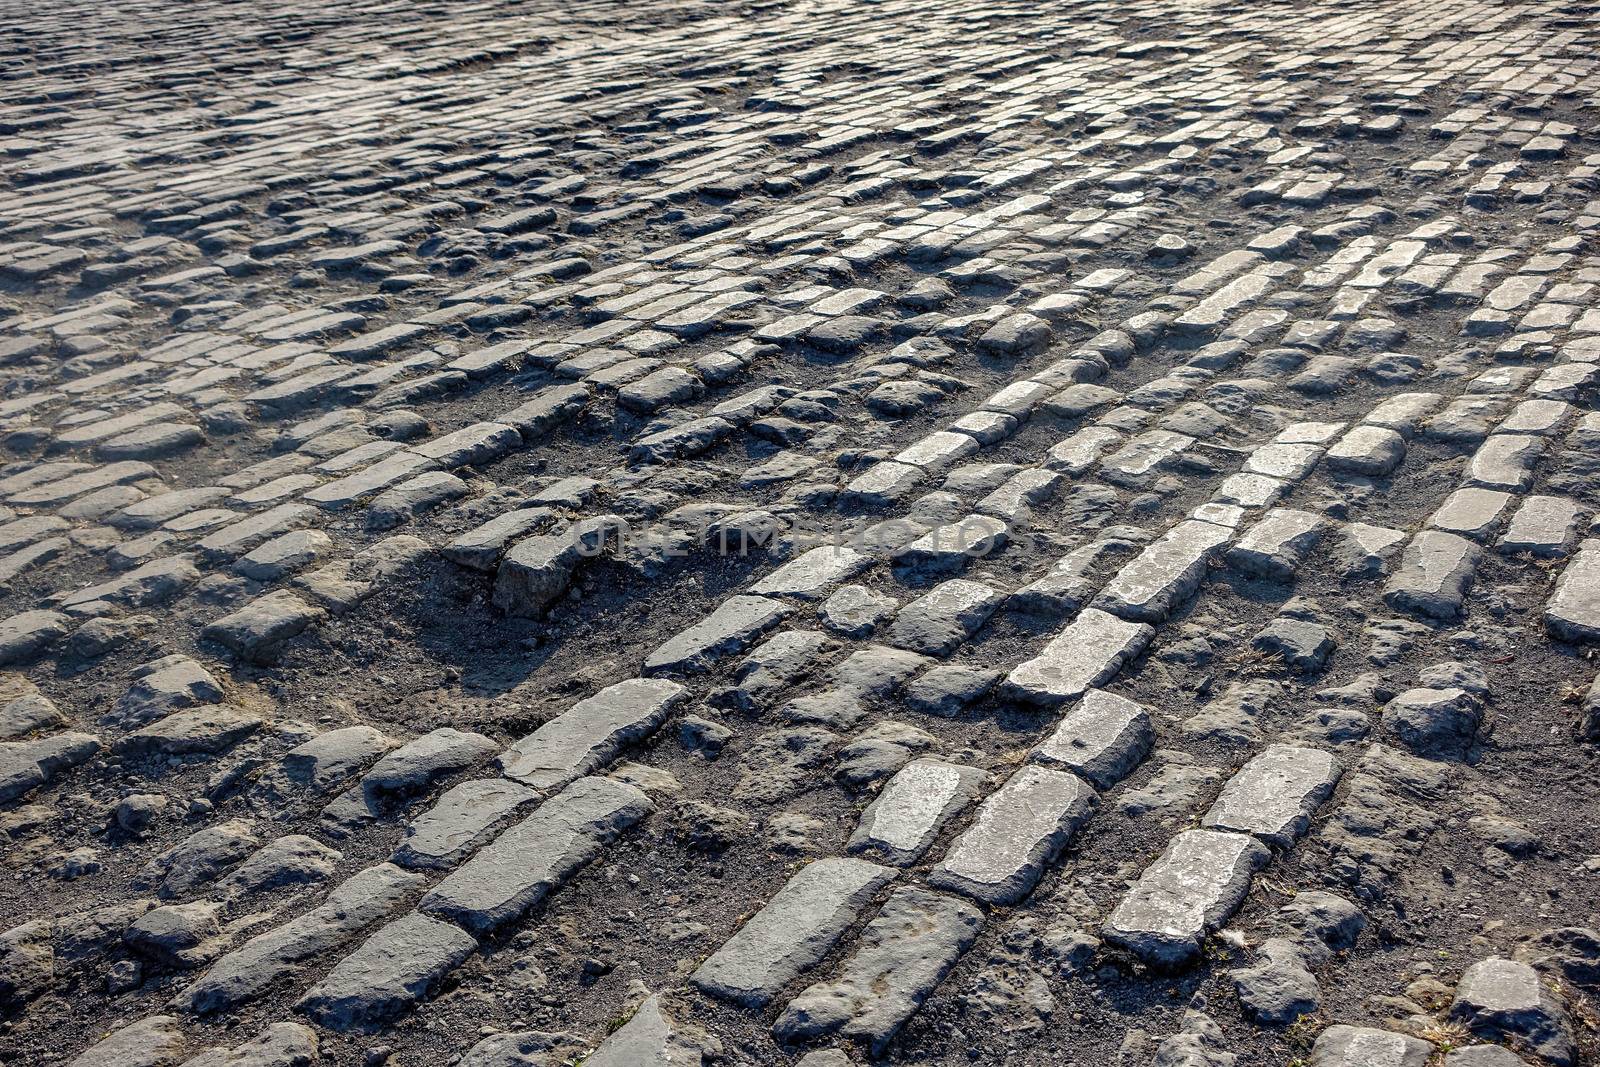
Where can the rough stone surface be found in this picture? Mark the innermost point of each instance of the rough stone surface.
(1016, 833)
(1187, 893)
(793, 932)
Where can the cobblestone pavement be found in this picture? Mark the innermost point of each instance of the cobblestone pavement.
(802, 532)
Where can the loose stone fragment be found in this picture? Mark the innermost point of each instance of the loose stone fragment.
(903, 954)
(1437, 723)
(290, 860)
(198, 859)
(1018, 831)
(1366, 551)
(793, 932)
(1201, 1043)
(1185, 895)
(177, 935)
(912, 808)
(325, 763)
(650, 1038)
(523, 865)
(1280, 988)
(1275, 795)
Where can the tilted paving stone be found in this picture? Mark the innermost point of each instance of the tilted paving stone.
(525, 864)
(942, 619)
(911, 810)
(1101, 739)
(1372, 451)
(1277, 545)
(1505, 999)
(812, 575)
(404, 772)
(535, 571)
(1185, 895)
(1573, 611)
(591, 733)
(1435, 572)
(1165, 574)
(796, 929)
(1505, 461)
(729, 630)
(461, 819)
(1016, 833)
(1473, 513)
(903, 953)
(1543, 526)
(1275, 795)
(257, 631)
(284, 952)
(392, 972)
(1087, 653)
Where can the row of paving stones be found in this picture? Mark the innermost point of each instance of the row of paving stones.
(1154, 588)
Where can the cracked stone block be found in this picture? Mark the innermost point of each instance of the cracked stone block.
(522, 866)
(393, 971)
(1088, 653)
(591, 733)
(1435, 573)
